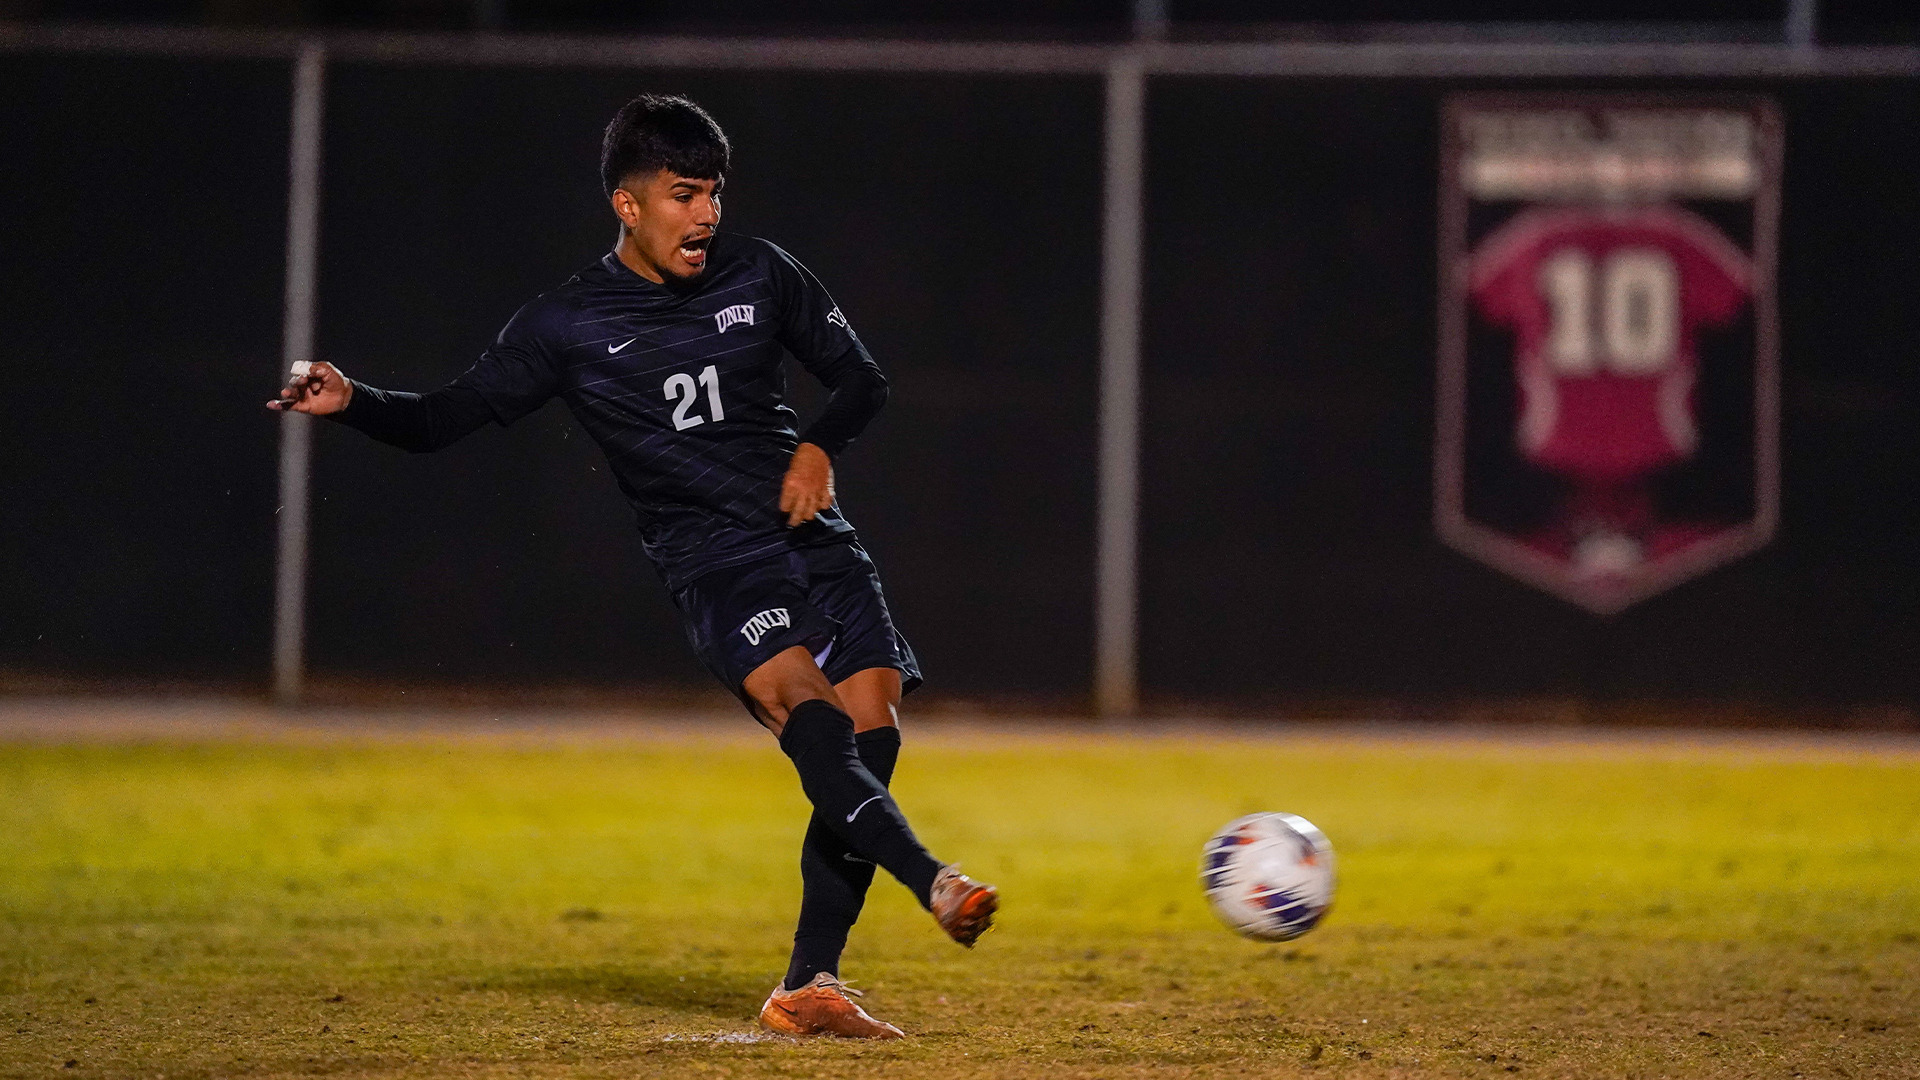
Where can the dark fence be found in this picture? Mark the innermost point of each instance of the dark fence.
(143, 223)
(1290, 344)
(1288, 551)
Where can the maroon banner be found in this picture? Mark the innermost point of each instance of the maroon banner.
(1608, 413)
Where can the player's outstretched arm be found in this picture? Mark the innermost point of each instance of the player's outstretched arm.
(420, 423)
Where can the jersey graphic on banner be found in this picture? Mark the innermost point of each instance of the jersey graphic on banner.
(1607, 406)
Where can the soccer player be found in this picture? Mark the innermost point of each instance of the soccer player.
(668, 350)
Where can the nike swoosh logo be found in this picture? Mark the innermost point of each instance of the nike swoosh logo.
(611, 349)
(852, 858)
(862, 806)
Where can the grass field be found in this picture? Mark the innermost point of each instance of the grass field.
(604, 904)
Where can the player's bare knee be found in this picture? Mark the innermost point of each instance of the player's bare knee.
(872, 698)
(791, 677)
(771, 705)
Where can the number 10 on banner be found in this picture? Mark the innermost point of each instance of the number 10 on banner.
(1636, 294)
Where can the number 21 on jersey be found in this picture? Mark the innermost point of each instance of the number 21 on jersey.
(680, 387)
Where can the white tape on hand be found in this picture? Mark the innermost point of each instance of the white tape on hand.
(301, 368)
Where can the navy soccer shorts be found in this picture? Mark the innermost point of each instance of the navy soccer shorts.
(825, 599)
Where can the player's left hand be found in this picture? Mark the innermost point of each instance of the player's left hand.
(808, 488)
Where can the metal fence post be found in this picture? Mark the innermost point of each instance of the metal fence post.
(1116, 675)
(296, 429)
(1803, 23)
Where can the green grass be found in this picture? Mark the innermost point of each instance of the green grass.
(440, 907)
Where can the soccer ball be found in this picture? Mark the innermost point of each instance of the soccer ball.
(1268, 876)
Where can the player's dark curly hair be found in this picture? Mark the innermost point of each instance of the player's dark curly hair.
(654, 132)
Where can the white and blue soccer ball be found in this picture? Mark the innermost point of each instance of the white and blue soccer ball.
(1268, 876)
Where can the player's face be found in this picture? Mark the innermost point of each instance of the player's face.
(669, 222)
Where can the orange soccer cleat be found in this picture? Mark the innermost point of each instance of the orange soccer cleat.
(822, 1007)
(962, 906)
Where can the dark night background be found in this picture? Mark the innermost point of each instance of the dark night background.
(1840, 20)
(1288, 552)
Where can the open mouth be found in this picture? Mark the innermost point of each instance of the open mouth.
(694, 251)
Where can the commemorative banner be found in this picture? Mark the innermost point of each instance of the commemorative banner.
(1608, 391)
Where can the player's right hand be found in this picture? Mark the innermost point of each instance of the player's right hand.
(315, 387)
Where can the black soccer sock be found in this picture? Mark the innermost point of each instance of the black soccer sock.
(853, 803)
(879, 752)
(833, 880)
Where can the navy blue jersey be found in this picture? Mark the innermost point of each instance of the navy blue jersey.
(683, 388)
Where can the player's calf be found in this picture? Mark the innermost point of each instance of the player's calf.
(834, 880)
(819, 739)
